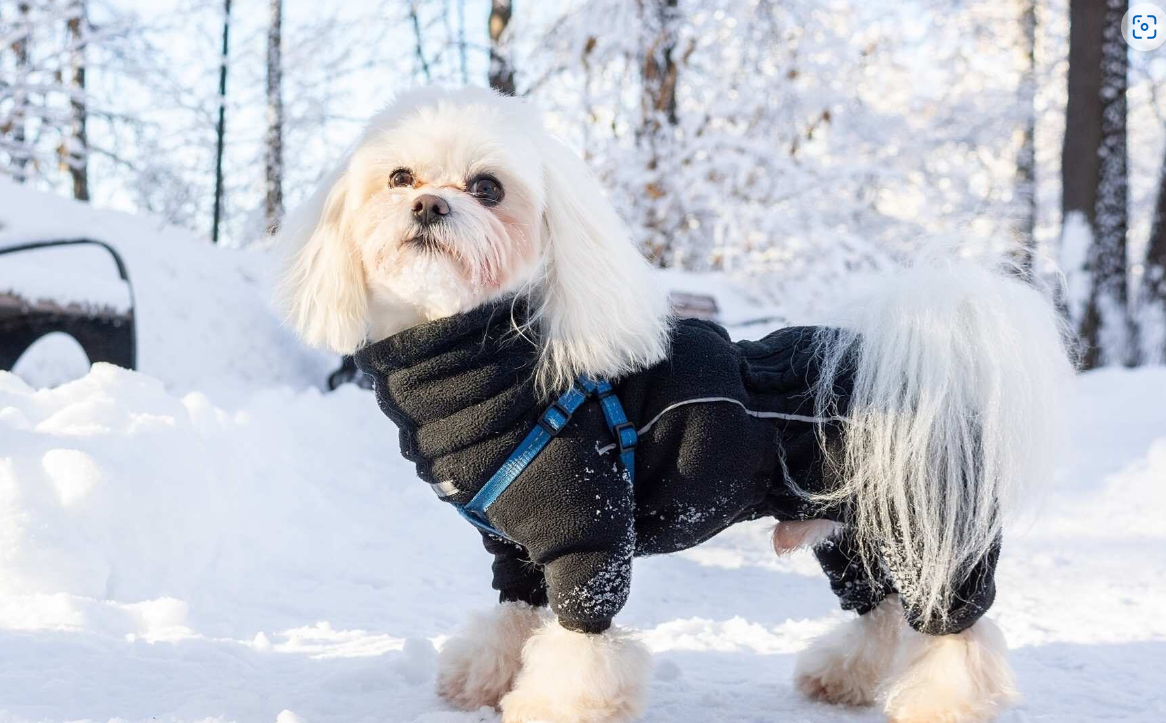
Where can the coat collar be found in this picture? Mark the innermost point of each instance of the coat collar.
(461, 391)
(493, 324)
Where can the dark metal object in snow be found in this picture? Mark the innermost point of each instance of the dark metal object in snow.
(686, 305)
(106, 334)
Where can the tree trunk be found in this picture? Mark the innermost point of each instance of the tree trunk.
(1080, 162)
(1025, 230)
(659, 70)
(221, 128)
(659, 73)
(501, 68)
(1107, 328)
(463, 61)
(19, 130)
(419, 41)
(1095, 183)
(76, 149)
(273, 201)
(1152, 298)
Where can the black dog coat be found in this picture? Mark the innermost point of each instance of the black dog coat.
(727, 433)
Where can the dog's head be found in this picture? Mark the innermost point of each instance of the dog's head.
(451, 199)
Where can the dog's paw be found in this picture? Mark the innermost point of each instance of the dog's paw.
(478, 666)
(570, 677)
(837, 687)
(845, 666)
(962, 678)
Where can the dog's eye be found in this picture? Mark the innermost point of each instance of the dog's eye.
(401, 177)
(486, 189)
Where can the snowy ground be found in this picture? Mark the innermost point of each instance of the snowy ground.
(236, 545)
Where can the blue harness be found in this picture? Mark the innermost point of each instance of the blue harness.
(550, 423)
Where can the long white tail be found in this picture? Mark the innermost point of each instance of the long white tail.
(958, 372)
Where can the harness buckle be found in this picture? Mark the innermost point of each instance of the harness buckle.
(549, 423)
(625, 442)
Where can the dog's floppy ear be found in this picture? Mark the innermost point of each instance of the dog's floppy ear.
(599, 310)
(322, 290)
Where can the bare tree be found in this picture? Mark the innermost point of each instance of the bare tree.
(1025, 229)
(17, 125)
(1080, 162)
(463, 62)
(419, 41)
(659, 72)
(273, 145)
(75, 149)
(1107, 327)
(1095, 178)
(221, 127)
(659, 68)
(46, 103)
(501, 72)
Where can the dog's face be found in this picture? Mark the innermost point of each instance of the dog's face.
(446, 212)
(452, 199)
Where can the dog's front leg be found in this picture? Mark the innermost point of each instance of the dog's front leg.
(479, 665)
(574, 677)
(579, 669)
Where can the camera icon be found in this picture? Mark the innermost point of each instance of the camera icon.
(1140, 27)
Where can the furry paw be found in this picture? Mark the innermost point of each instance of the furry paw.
(570, 677)
(963, 678)
(479, 666)
(845, 666)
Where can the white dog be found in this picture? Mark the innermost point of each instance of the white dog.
(453, 200)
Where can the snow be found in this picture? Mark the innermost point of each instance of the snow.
(1076, 238)
(84, 275)
(203, 313)
(213, 538)
(53, 359)
(168, 557)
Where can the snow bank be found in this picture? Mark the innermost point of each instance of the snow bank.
(165, 556)
(203, 313)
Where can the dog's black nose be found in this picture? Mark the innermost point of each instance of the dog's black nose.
(430, 209)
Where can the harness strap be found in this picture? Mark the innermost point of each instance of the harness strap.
(547, 427)
(622, 431)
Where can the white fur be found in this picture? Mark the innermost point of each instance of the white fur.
(570, 677)
(958, 384)
(353, 276)
(322, 290)
(963, 678)
(846, 665)
(478, 666)
(601, 313)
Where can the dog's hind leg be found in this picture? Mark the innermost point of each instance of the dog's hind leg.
(959, 678)
(952, 669)
(847, 665)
